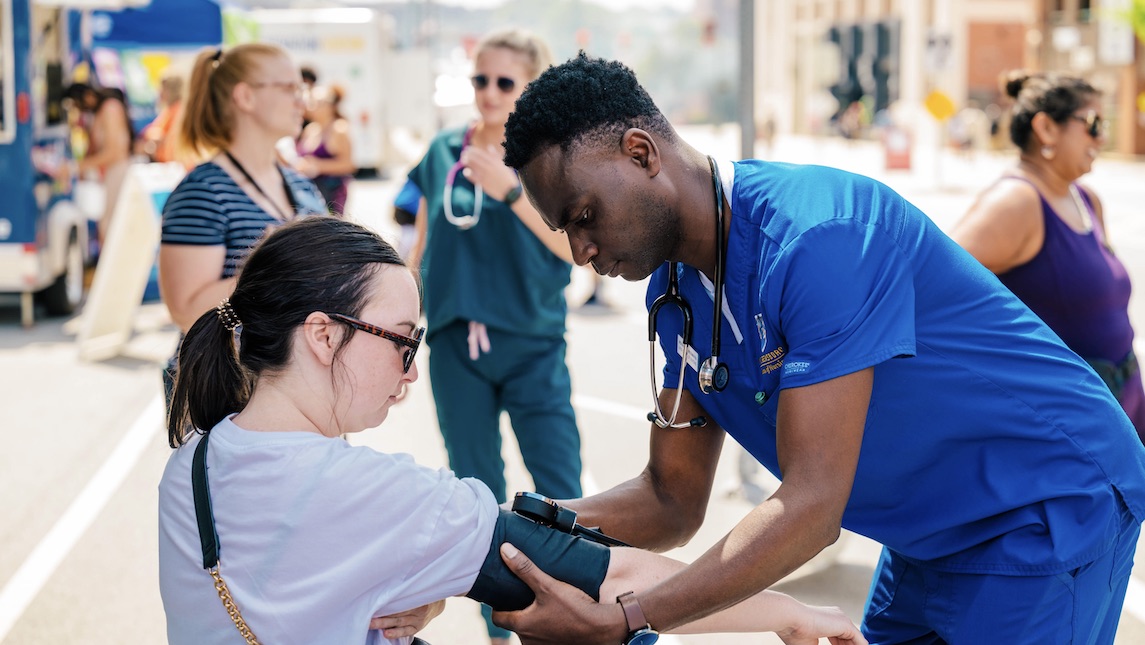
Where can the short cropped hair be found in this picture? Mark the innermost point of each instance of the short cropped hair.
(582, 101)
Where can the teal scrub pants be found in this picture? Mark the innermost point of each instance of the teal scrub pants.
(524, 376)
(910, 603)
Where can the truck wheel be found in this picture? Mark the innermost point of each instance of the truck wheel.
(63, 296)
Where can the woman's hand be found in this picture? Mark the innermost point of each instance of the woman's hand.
(828, 622)
(408, 623)
(307, 167)
(484, 167)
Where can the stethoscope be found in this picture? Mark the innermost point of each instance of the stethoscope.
(713, 375)
(462, 222)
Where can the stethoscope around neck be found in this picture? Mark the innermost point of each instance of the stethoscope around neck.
(713, 375)
(462, 222)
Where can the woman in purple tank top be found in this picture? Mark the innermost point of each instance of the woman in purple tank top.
(324, 148)
(1044, 236)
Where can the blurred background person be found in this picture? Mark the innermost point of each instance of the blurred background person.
(239, 104)
(158, 137)
(324, 148)
(494, 278)
(110, 139)
(406, 204)
(309, 79)
(1043, 233)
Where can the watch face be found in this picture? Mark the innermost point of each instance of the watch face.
(644, 637)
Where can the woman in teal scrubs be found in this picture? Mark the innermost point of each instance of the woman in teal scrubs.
(494, 277)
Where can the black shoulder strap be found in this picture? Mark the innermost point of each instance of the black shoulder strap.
(203, 513)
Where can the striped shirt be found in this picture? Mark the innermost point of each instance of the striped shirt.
(209, 209)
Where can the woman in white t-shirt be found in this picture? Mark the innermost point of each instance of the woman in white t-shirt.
(322, 537)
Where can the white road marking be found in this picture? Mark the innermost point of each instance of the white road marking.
(1135, 599)
(42, 562)
(609, 407)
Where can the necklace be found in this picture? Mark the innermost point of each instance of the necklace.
(1082, 209)
(285, 185)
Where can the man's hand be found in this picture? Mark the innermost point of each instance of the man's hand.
(409, 622)
(561, 613)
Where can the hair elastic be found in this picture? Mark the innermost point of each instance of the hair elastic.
(227, 316)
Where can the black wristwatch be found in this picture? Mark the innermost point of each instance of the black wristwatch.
(639, 631)
(513, 195)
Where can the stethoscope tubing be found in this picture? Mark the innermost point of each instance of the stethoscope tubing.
(716, 373)
(462, 222)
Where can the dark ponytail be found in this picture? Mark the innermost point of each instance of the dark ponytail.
(314, 264)
(210, 383)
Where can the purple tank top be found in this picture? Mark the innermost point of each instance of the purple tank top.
(1077, 286)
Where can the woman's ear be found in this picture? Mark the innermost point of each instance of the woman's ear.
(242, 95)
(639, 146)
(321, 336)
(1045, 129)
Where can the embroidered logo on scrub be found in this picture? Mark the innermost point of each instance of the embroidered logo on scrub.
(797, 367)
(768, 361)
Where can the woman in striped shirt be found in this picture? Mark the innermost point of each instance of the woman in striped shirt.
(239, 104)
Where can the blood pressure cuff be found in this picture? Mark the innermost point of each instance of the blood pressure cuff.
(575, 560)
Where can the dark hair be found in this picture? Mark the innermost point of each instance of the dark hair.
(77, 91)
(1058, 96)
(313, 264)
(584, 100)
(308, 74)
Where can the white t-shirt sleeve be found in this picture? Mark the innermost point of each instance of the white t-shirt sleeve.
(438, 526)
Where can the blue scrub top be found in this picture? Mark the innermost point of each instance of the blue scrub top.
(989, 446)
(496, 272)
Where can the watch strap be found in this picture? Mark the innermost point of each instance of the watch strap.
(633, 614)
(513, 195)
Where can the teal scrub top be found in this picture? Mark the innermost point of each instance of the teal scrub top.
(989, 446)
(497, 272)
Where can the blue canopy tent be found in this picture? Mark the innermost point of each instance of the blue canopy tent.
(162, 24)
(119, 39)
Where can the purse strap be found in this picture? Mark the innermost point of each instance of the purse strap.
(209, 538)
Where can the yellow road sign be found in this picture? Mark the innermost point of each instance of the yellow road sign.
(939, 105)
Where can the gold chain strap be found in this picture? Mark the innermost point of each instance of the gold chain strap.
(231, 607)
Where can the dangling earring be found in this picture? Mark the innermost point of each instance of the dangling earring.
(1048, 153)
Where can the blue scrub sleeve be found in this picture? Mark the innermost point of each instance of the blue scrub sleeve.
(845, 297)
(575, 560)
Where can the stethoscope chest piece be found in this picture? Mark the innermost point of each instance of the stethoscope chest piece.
(714, 375)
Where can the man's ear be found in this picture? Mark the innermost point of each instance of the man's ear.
(641, 148)
(320, 337)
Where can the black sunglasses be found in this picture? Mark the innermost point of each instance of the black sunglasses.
(504, 83)
(1094, 124)
(412, 342)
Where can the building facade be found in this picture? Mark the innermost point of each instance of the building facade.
(816, 57)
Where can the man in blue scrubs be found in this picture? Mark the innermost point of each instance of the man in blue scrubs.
(895, 387)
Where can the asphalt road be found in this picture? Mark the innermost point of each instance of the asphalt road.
(86, 448)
